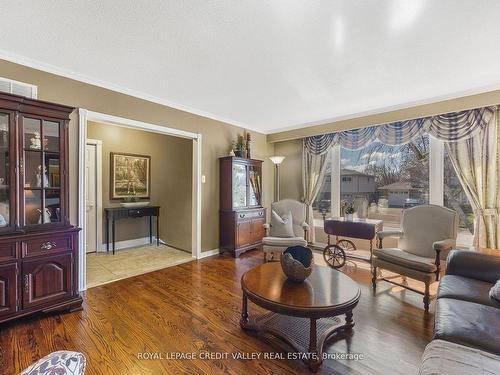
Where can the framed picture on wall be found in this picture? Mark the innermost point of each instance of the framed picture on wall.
(130, 175)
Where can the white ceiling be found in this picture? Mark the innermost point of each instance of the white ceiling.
(268, 65)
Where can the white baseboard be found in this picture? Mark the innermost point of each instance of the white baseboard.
(129, 243)
(209, 253)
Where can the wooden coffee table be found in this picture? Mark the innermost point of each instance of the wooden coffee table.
(303, 315)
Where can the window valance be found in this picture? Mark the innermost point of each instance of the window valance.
(449, 127)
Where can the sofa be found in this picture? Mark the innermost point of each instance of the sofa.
(467, 321)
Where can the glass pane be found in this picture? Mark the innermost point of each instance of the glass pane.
(52, 206)
(51, 136)
(456, 199)
(254, 175)
(385, 179)
(32, 133)
(33, 207)
(4, 171)
(53, 178)
(33, 169)
(239, 186)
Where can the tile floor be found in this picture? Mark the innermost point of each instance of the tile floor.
(103, 268)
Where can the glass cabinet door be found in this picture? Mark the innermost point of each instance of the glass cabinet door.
(255, 184)
(5, 188)
(239, 185)
(41, 171)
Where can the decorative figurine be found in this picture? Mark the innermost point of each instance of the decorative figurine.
(36, 142)
(46, 216)
(39, 177)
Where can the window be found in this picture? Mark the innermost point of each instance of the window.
(322, 203)
(456, 199)
(389, 178)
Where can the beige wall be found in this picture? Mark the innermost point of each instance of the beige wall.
(216, 135)
(171, 180)
(290, 169)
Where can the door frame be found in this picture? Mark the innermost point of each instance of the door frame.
(85, 116)
(98, 199)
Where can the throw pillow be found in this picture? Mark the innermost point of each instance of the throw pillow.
(495, 291)
(282, 226)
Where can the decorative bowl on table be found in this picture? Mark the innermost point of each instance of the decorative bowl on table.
(297, 263)
(134, 204)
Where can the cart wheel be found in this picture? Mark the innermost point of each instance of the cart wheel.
(346, 245)
(334, 256)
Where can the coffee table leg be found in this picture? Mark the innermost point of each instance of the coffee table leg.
(349, 322)
(244, 312)
(314, 361)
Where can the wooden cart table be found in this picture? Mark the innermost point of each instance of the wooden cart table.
(303, 315)
(366, 229)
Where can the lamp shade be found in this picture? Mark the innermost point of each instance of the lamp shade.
(277, 159)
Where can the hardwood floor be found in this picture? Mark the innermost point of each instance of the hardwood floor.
(195, 307)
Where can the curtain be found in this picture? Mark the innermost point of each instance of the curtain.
(448, 127)
(476, 161)
(313, 173)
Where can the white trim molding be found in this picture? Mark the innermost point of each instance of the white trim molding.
(208, 253)
(99, 209)
(84, 117)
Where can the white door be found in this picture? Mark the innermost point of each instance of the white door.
(90, 199)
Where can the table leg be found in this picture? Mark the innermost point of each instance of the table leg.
(150, 229)
(158, 230)
(244, 312)
(349, 321)
(113, 234)
(314, 361)
(371, 250)
(107, 234)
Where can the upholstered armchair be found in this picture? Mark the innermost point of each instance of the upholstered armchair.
(274, 243)
(427, 234)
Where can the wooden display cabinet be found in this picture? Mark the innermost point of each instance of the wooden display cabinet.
(241, 215)
(38, 245)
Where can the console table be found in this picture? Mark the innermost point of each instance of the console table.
(116, 213)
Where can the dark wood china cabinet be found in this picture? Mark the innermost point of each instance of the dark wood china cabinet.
(38, 245)
(241, 215)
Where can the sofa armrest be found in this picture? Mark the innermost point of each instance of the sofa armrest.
(473, 265)
(267, 226)
(389, 233)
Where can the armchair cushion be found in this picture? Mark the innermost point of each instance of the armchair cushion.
(402, 258)
(282, 226)
(284, 241)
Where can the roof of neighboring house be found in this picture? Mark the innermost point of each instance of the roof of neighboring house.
(397, 186)
(352, 172)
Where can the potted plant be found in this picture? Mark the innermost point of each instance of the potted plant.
(349, 211)
(239, 147)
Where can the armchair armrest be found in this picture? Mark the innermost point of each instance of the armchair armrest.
(473, 265)
(389, 233)
(439, 247)
(267, 226)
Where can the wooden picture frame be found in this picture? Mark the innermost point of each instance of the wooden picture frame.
(130, 176)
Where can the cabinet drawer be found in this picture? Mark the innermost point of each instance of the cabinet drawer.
(47, 245)
(249, 215)
(8, 250)
(139, 212)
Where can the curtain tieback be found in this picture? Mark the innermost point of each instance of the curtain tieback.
(486, 211)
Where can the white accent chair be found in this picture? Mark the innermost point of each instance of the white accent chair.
(427, 234)
(277, 245)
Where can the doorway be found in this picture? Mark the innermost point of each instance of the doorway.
(86, 187)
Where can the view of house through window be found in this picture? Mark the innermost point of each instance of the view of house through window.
(388, 179)
(385, 178)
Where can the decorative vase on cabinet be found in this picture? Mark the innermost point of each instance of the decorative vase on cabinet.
(241, 215)
(38, 245)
